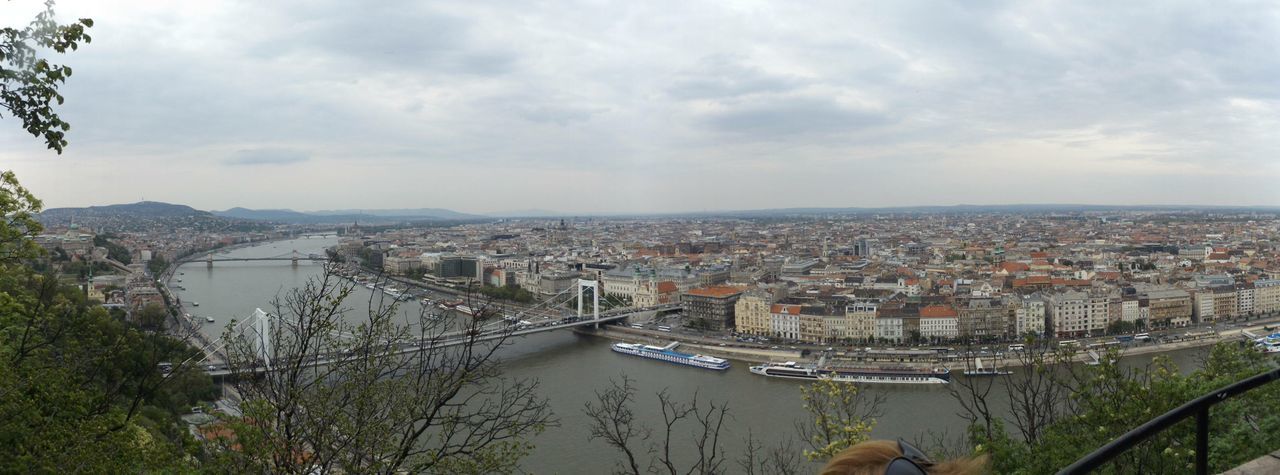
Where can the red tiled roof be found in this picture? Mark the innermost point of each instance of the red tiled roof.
(937, 311)
(785, 308)
(719, 291)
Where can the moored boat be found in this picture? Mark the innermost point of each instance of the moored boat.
(791, 370)
(669, 355)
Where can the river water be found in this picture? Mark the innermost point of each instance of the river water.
(571, 367)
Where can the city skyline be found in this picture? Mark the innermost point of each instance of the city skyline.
(662, 108)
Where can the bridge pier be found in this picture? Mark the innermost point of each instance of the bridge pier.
(594, 285)
(209, 261)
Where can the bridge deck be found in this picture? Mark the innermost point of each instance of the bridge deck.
(458, 338)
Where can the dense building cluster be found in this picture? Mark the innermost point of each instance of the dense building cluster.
(910, 277)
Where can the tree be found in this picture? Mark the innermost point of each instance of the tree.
(840, 416)
(77, 385)
(394, 397)
(157, 265)
(153, 316)
(1063, 411)
(614, 422)
(18, 226)
(29, 82)
(1120, 327)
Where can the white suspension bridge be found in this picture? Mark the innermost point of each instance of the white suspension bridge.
(543, 317)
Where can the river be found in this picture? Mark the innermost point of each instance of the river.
(571, 367)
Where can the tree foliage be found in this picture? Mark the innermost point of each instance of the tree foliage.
(18, 224)
(1061, 411)
(80, 389)
(840, 416)
(29, 81)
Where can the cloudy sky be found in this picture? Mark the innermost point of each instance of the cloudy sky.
(653, 106)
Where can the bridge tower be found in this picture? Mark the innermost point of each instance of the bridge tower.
(594, 285)
(209, 260)
(295, 258)
(261, 338)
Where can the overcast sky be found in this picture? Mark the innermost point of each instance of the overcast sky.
(652, 106)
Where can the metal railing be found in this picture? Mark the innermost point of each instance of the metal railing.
(1198, 408)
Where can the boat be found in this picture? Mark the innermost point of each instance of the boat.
(903, 375)
(208, 319)
(668, 354)
(465, 309)
(979, 370)
(1269, 344)
(195, 304)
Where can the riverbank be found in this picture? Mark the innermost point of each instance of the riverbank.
(761, 355)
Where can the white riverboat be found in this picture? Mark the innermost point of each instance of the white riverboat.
(669, 355)
(792, 370)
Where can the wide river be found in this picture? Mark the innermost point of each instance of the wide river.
(571, 367)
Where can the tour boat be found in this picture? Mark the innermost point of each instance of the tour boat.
(791, 370)
(669, 355)
(208, 319)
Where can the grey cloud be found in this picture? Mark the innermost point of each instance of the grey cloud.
(461, 88)
(380, 36)
(267, 157)
(792, 117)
(722, 77)
(559, 115)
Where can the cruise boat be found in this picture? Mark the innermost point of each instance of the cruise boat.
(465, 309)
(1269, 343)
(979, 370)
(791, 370)
(668, 354)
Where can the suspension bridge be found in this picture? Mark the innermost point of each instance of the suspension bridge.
(539, 318)
(292, 256)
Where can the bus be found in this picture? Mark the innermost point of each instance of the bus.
(664, 328)
(1017, 347)
(636, 325)
(1142, 336)
(1068, 344)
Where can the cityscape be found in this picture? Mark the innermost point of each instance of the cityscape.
(756, 237)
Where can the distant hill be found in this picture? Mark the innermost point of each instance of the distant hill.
(432, 213)
(150, 209)
(263, 214)
(144, 216)
(377, 216)
(526, 213)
